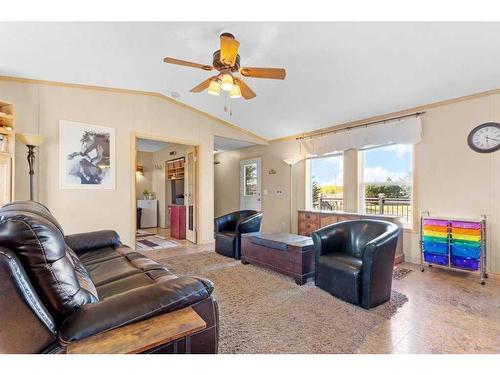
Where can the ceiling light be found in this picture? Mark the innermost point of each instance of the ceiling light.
(214, 88)
(235, 92)
(227, 82)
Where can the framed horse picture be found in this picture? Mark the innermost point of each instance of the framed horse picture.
(86, 156)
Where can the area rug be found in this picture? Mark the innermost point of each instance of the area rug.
(264, 312)
(154, 242)
(400, 273)
(142, 233)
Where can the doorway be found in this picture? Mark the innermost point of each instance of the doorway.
(164, 195)
(250, 184)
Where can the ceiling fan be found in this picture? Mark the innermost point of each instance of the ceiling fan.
(227, 62)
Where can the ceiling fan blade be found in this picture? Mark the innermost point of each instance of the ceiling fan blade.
(170, 60)
(246, 91)
(202, 86)
(228, 49)
(273, 73)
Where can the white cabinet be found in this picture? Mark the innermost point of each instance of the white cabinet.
(149, 217)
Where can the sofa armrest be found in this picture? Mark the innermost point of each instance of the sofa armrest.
(84, 242)
(329, 239)
(133, 306)
(249, 224)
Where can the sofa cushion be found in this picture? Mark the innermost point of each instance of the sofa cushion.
(99, 255)
(111, 270)
(33, 234)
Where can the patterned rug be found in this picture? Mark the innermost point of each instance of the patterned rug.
(154, 242)
(142, 233)
(400, 273)
(262, 311)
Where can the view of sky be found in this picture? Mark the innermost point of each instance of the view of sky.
(394, 162)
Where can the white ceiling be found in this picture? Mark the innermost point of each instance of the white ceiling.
(228, 144)
(336, 72)
(148, 145)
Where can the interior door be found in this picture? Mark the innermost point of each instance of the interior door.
(250, 184)
(190, 193)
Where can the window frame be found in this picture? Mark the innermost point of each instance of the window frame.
(361, 184)
(309, 201)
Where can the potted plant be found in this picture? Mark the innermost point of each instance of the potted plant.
(146, 193)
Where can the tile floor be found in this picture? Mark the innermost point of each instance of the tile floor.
(447, 311)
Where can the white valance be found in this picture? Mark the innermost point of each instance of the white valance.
(403, 131)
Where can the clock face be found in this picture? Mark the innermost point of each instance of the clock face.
(485, 138)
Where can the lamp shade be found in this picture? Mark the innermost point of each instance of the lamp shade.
(292, 161)
(214, 87)
(235, 93)
(227, 82)
(30, 139)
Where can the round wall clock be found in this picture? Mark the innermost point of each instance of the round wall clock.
(485, 137)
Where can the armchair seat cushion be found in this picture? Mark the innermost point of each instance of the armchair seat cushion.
(229, 234)
(340, 275)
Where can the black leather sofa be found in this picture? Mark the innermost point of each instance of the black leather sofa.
(228, 230)
(55, 289)
(355, 259)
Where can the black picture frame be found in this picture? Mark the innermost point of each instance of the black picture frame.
(476, 129)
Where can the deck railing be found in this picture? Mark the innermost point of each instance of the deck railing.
(376, 206)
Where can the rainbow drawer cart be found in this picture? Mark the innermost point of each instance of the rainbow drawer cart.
(454, 243)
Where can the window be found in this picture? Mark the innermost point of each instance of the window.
(327, 182)
(250, 182)
(386, 181)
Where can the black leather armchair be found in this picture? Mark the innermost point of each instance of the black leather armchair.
(354, 260)
(228, 230)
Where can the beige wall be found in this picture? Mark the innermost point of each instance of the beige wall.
(451, 179)
(39, 108)
(275, 207)
(160, 185)
(145, 159)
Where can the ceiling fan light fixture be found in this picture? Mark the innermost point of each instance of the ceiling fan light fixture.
(235, 93)
(227, 82)
(214, 88)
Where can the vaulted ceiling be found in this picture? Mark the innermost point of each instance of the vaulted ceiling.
(336, 72)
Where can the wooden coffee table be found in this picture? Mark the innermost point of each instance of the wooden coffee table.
(286, 253)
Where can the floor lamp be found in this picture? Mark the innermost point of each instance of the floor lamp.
(291, 162)
(31, 141)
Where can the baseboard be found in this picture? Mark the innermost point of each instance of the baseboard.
(399, 259)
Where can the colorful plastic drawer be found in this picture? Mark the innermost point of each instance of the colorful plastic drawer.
(465, 237)
(436, 222)
(436, 247)
(436, 258)
(465, 263)
(465, 225)
(468, 232)
(435, 234)
(466, 252)
(435, 228)
(462, 243)
(435, 239)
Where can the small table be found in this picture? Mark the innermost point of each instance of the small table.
(286, 253)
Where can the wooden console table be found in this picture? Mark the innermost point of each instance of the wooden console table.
(141, 336)
(311, 220)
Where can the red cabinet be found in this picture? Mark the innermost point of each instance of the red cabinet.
(177, 221)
